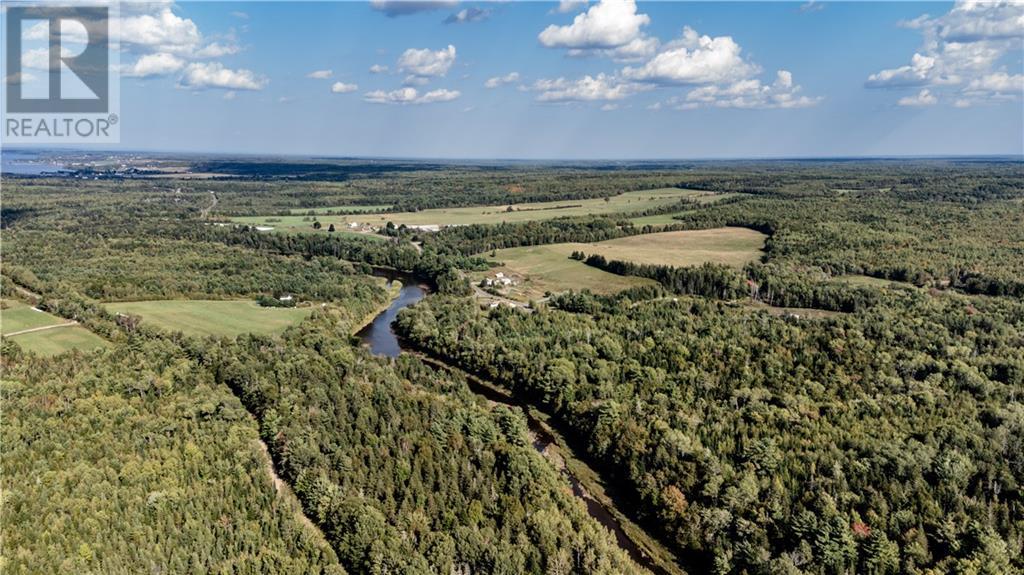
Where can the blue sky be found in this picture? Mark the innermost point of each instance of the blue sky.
(598, 80)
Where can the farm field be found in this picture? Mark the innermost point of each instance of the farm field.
(57, 340)
(539, 269)
(626, 202)
(17, 316)
(348, 208)
(218, 318)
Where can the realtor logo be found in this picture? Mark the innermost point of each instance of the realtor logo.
(59, 80)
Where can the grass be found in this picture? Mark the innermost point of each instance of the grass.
(219, 318)
(17, 316)
(626, 202)
(860, 280)
(349, 208)
(547, 268)
(54, 341)
(542, 269)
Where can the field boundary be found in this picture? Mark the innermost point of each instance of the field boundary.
(30, 330)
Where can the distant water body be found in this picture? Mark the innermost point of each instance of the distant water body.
(28, 164)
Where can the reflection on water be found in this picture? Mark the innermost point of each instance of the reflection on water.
(378, 335)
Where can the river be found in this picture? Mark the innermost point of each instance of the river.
(382, 340)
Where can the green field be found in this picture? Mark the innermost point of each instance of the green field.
(349, 208)
(58, 340)
(626, 202)
(859, 280)
(539, 269)
(219, 318)
(17, 316)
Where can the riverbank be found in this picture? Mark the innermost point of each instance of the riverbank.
(394, 289)
(586, 482)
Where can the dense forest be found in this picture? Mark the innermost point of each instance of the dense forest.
(851, 403)
(756, 442)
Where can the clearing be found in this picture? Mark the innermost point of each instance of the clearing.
(626, 202)
(44, 333)
(348, 208)
(16, 316)
(548, 268)
(218, 317)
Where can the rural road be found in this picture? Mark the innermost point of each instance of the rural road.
(69, 324)
(206, 211)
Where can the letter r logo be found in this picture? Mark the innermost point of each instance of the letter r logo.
(91, 66)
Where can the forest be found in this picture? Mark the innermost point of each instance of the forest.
(850, 403)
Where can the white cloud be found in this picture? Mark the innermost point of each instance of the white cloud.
(962, 54)
(240, 15)
(378, 69)
(159, 64)
(229, 95)
(343, 88)
(202, 75)
(467, 15)
(923, 98)
(695, 59)
(427, 63)
(410, 96)
(1000, 82)
(396, 8)
(608, 24)
(164, 31)
(915, 74)
(412, 80)
(320, 74)
(609, 107)
(216, 50)
(569, 6)
(587, 89)
(510, 78)
(751, 93)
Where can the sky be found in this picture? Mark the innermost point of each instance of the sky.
(613, 79)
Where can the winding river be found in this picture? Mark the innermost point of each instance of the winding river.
(382, 340)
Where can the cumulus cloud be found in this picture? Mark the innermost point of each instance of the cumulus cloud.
(163, 30)
(602, 87)
(961, 53)
(396, 8)
(510, 78)
(427, 63)
(1000, 82)
(606, 25)
(751, 93)
(155, 41)
(378, 69)
(467, 15)
(343, 88)
(154, 65)
(320, 74)
(695, 59)
(410, 96)
(203, 75)
(923, 98)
